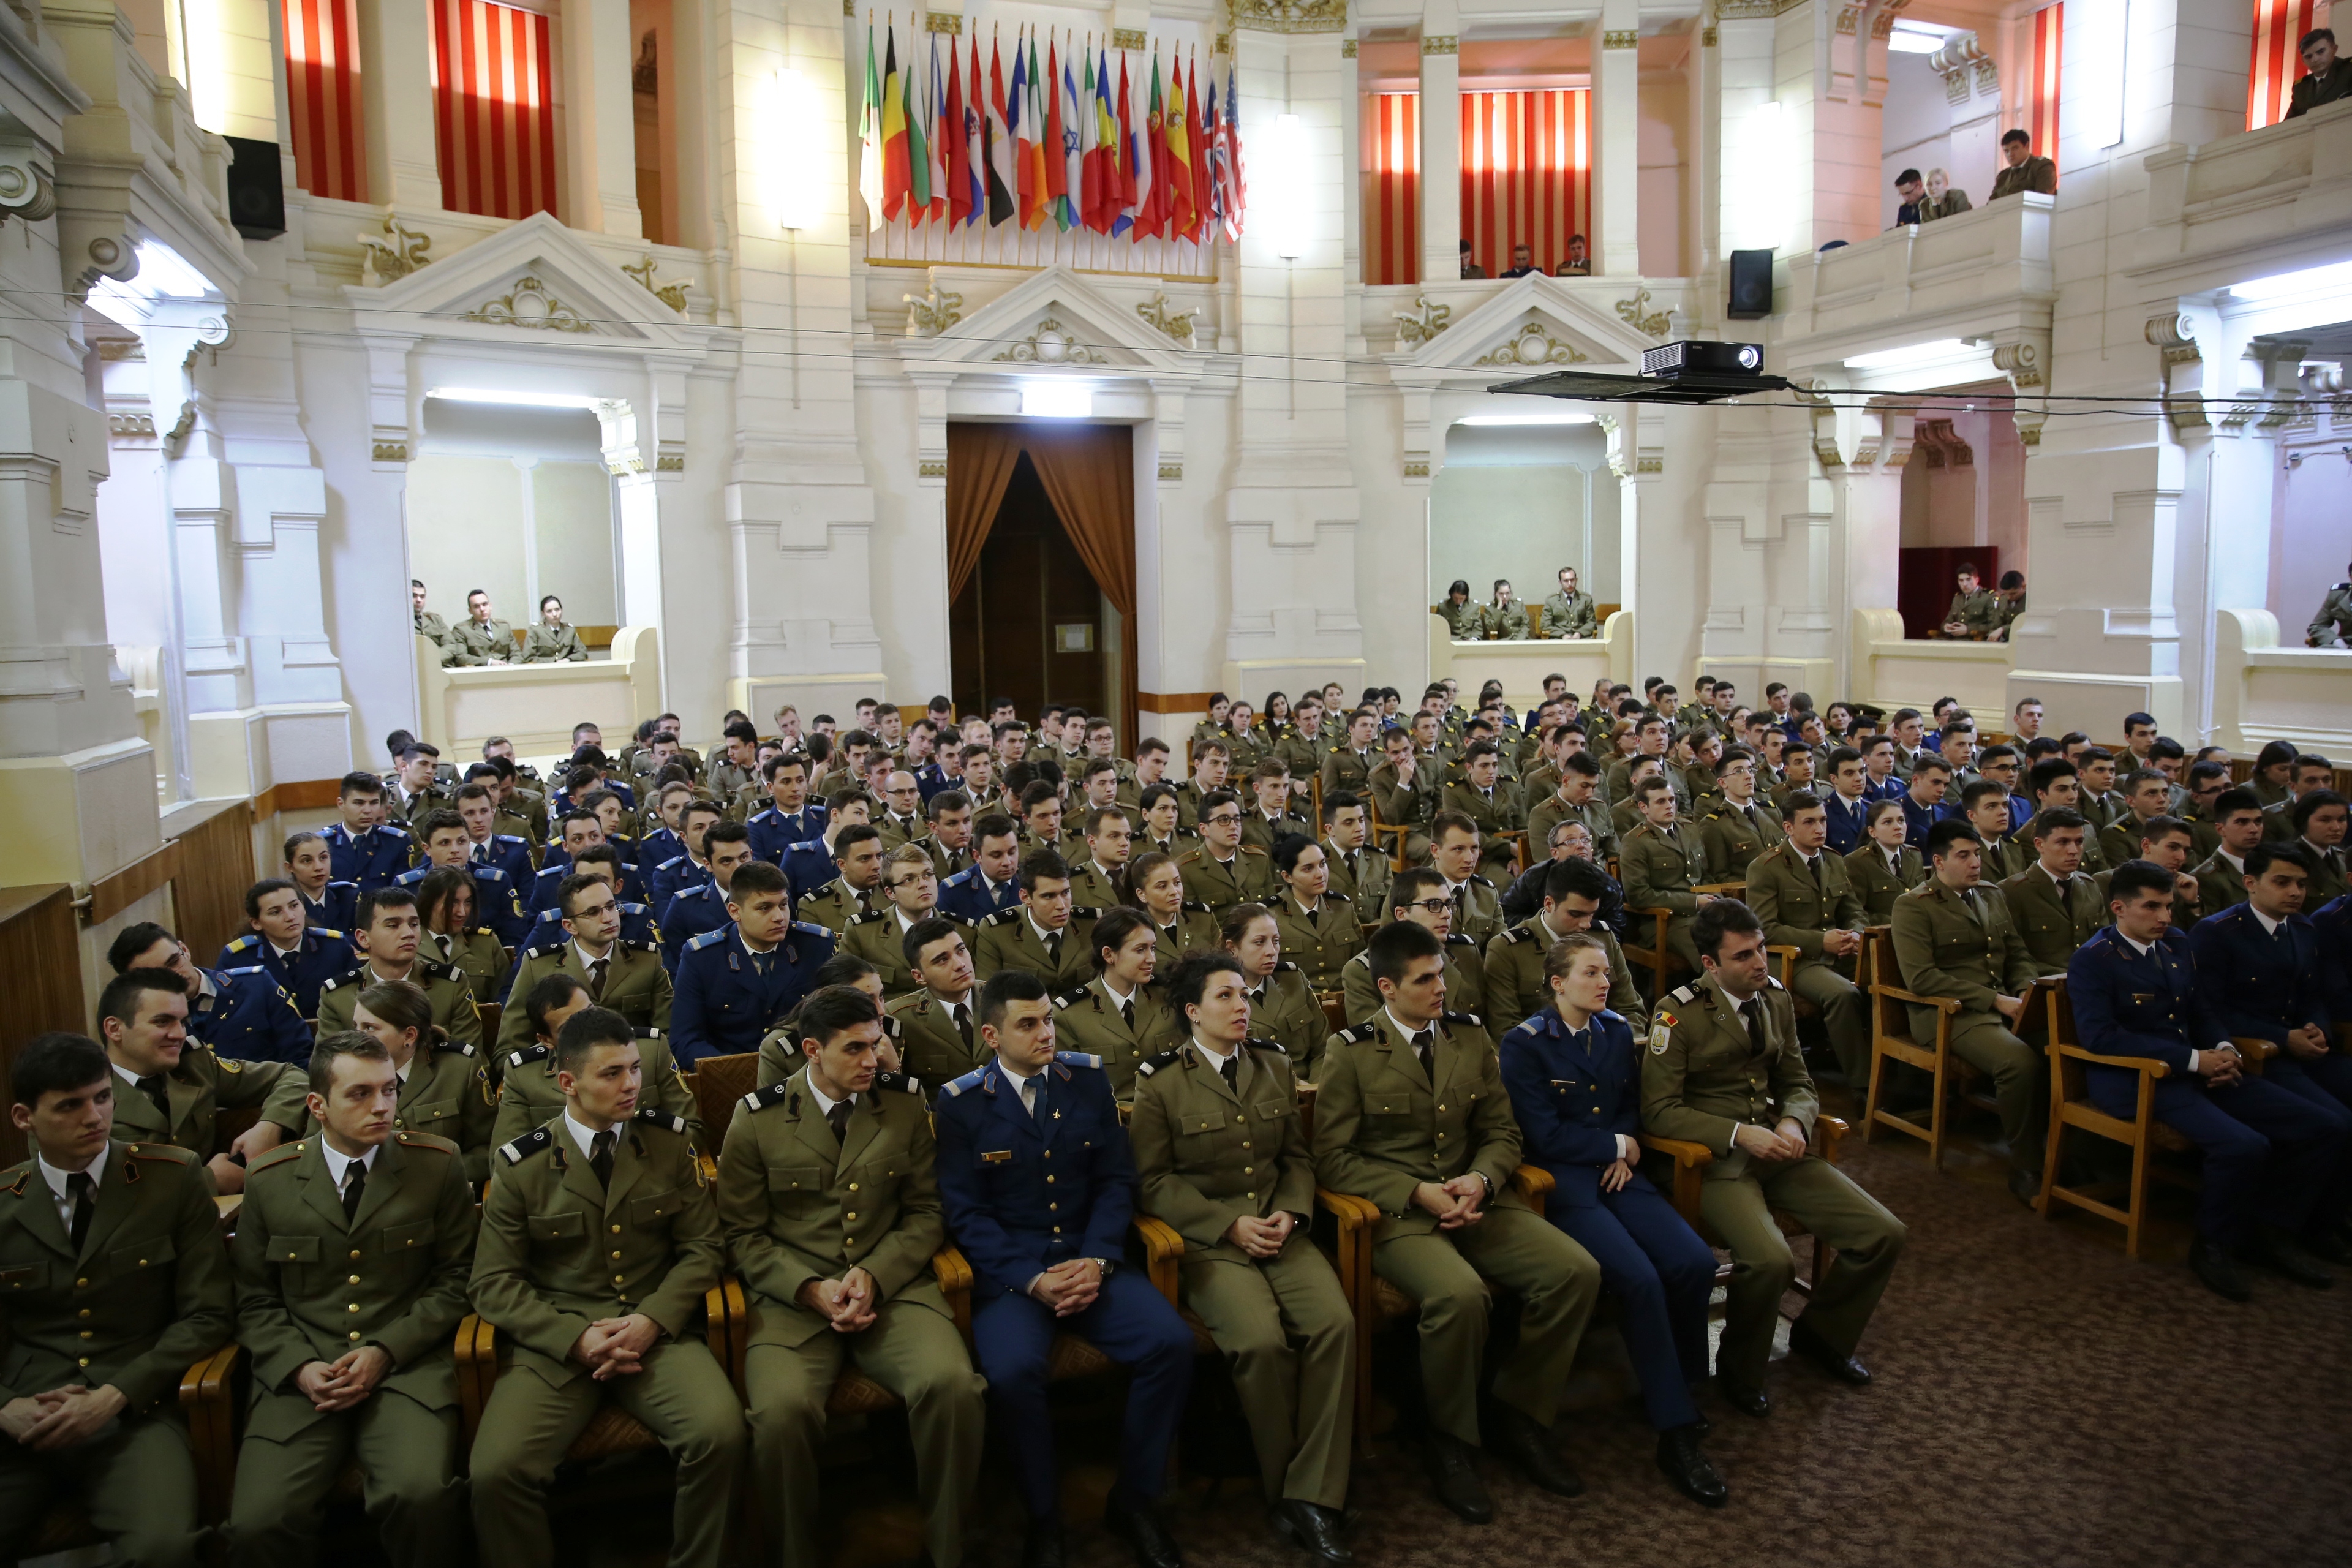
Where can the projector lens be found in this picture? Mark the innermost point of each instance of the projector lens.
(1749, 358)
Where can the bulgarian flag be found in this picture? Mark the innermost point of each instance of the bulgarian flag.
(896, 178)
(869, 136)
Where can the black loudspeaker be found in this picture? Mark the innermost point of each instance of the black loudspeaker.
(256, 190)
(1751, 285)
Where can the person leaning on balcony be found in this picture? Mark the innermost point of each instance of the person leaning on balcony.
(1942, 200)
(1908, 186)
(2330, 77)
(1470, 268)
(2025, 172)
(1579, 263)
(2334, 622)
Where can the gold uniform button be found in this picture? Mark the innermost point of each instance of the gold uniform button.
(83, 1313)
(620, 1279)
(849, 1217)
(86, 1334)
(81, 1284)
(352, 1307)
(616, 1258)
(82, 1362)
(1049, 1180)
(355, 1333)
(853, 1186)
(1249, 1170)
(354, 1280)
(355, 1254)
(1057, 1230)
(1245, 1142)
(617, 1230)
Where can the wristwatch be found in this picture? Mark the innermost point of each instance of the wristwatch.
(1106, 1265)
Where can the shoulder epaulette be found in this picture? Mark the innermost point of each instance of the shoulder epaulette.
(535, 1141)
(432, 1141)
(528, 1055)
(1274, 1045)
(1152, 1064)
(1282, 965)
(278, 1156)
(774, 1095)
(669, 863)
(436, 971)
(547, 946)
(1076, 1058)
(1068, 998)
(1196, 906)
(328, 931)
(655, 1116)
(893, 1082)
(1002, 918)
(968, 1080)
(1252, 850)
(1189, 856)
(810, 928)
(706, 938)
(1354, 1034)
(1472, 1019)
(1480, 880)
(340, 980)
(243, 942)
(1530, 1026)
(869, 920)
(241, 969)
(958, 878)
(1518, 934)
(1078, 912)
(463, 1047)
(1462, 938)
(1774, 983)
(1685, 995)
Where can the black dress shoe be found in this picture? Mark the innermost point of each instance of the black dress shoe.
(1314, 1530)
(1454, 1472)
(1747, 1400)
(2276, 1251)
(1519, 1434)
(1808, 1342)
(1041, 1547)
(1141, 1528)
(1693, 1475)
(2212, 1265)
(2026, 1187)
(2327, 1247)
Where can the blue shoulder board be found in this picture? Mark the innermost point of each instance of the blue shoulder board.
(631, 909)
(490, 873)
(696, 891)
(959, 878)
(416, 874)
(968, 1080)
(328, 931)
(810, 928)
(391, 827)
(706, 939)
(243, 942)
(669, 863)
(245, 969)
(1077, 1058)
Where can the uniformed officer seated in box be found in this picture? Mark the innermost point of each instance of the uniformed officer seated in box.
(1039, 1184)
(1221, 1157)
(351, 1255)
(599, 1241)
(1724, 1071)
(114, 1283)
(829, 1192)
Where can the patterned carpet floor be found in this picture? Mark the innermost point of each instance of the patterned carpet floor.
(2040, 1401)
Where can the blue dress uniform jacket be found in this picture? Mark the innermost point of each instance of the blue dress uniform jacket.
(971, 898)
(659, 847)
(693, 911)
(931, 780)
(774, 831)
(322, 954)
(2272, 1150)
(1573, 1094)
(2256, 982)
(724, 1005)
(508, 853)
(2333, 922)
(1919, 819)
(1023, 1193)
(808, 866)
(673, 876)
(542, 899)
(337, 908)
(248, 1016)
(498, 906)
(369, 859)
(1847, 820)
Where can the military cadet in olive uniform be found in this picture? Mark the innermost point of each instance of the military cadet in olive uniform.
(1219, 1156)
(528, 1093)
(625, 978)
(1120, 1017)
(1570, 612)
(444, 1084)
(1724, 1071)
(1662, 864)
(599, 1241)
(1799, 890)
(1225, 871)
(429, 624)
(1879, 878)
(1411, 1114)
(1360, 871)
(351, 1255)
(2333, 623)
(829, 1195)
(1348, 766)
(1955, 937)
(1734, 833)
(112, 1283)
(1013, 939)
(452, 998)
(1464, 622)
(1465, 963)
(1557, 808)
(2056, 912)
(1507, 619)
(1491, 802)
(174, 1088)
(1515, 986)
(1975, 609)
(939, 1024)
(552, 644)
(1320, 941)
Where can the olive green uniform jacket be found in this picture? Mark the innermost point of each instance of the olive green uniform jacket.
(472, 642)
(543, 643)
(1464, 622)
(1009, 940)
(1552, 810)
(1570, 615)
(1383, 1125)
(1365, 883)
(451, 995)
(636, 987)
(2054, 921)
(1508, 622)
(931, 1049)
(448, 1094)
(1088, 1019)
(1733, 838)
(1321, 944)
(1514, 987)
(1943, 949)
(1246, 879)
(1465, 981)
(198, 1090)
(529, 1095)
(1875, 885)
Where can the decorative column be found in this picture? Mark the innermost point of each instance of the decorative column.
(396, 97)
(599, 47)
(1617, 132)
(1441, 142)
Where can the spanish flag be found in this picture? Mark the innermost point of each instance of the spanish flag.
(1183, 222)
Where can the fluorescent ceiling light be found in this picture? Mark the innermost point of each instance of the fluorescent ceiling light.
(1057, 399)
(1918, 38)
(1546, 419)
(512, 399)
(165, 273)
(2334, 279)
(1915, 353)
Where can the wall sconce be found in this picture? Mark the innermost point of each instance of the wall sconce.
(789, 123)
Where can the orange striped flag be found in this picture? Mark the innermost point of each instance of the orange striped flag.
(1392, 237)
(493, 108)
(2279, 25)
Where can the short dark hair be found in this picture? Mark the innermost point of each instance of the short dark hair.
(1723, 918)
(833, 1011)
(2056, 817)
(119, 1000)
(552, 990)
(56, 1062)
(1004, 986)
(133, 940)
(2262, 856)
(756, 877)
(995, 824)
(2009, 136)
(1042, 865)
(570, 888)
(2310, 801)
(2232, 800)
(2161, 826)
(2048, 772)
(333, 1047)
(262, 889)
(1396, 944)
(1190, 980)
(2139, 877)
(1575, 877)
(1337, 801)
(584, 1031)
(2302, 44)
(924, 932)
(1947, 833)
(1907, 177)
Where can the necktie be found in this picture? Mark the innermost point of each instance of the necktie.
(82, 1190)
(962, 1023)
(596, 979)
(838, 1120)
(600, 1158)
(1230, 1071)
(354, 1187)
(1054, 950)
(1032, 1095)
(1815, 866)
(1127, 1012)
(153, 1087)
(760, 962)
(1311, 920)
(1351, 866)
(1752, 1012)
(1421, 1044)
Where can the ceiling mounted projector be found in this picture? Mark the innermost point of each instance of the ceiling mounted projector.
(1689, 372)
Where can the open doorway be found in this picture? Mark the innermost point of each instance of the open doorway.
(1041, 545)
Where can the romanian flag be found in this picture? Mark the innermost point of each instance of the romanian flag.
(1103, 166)
(1182, 221)
(869, 134)
(896, 178)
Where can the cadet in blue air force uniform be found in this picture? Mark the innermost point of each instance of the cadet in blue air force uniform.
(737, 982)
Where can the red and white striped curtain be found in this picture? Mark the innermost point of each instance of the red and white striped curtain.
(1527, 175)
(2270, 81)
(493, 108)
(1392, 204)
(2039, 92)
(322, 98)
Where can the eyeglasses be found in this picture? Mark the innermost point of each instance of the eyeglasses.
(1430, 906)
(1222, 817)
(914, 879)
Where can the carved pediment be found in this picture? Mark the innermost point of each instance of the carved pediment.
(1530, 323)
(1053, 320)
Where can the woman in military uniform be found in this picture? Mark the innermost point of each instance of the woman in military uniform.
(1504, 616)
(1283, 1006)
(1882, 867)
(1320, 929)
(550, 641)
(1155, 886)
(445, 1089)
(1096, 1018)
(1247, 744)
(2273, 778)
(1464, 621)
(444, 898)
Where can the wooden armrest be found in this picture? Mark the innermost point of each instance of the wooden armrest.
(1941, 1003)
(1161, 1248)
(1829, 1133)
(1349, 1210)
(726, 1326)
(2148, 1064)
(1684, 1152)
(1534, 1183)
(478, 1369)
(709, 1169)
(2254, 1047)
(954, 1278)
(208, 1396)
(1721, 889)
(1664, 914)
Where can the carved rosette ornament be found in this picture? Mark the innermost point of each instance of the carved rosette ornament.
(1533, 344)
(1051, 343)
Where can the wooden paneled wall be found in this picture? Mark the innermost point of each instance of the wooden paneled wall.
(40, 952)
(216, 867)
